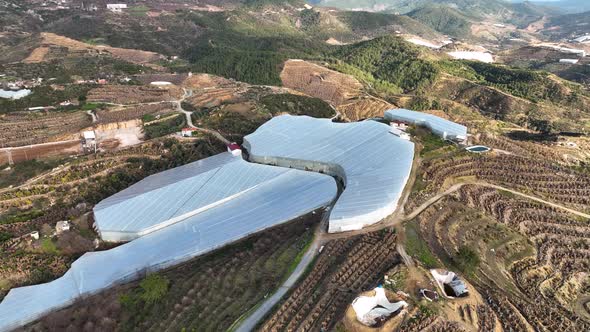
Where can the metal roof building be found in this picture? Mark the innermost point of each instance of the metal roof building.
(373, 163)
(439, 126)
(240, 199)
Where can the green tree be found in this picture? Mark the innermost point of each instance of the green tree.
(154, 287)
(467, 259)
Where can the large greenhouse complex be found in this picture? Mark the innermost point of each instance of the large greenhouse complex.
(181, 213)
(373, 164)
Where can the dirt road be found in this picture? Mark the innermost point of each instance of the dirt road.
(189, 121)
(397, 218)
(250, 323)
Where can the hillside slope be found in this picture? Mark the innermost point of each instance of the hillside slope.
(532, 99)
(518, 13)
(568, 26)
(443, 19)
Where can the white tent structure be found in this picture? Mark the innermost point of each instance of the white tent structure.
(441, 127)
(373, 163)
(370, 309)
(266, 197)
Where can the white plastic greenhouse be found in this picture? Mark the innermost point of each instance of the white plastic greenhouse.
(176, 194)
(261, 197)
(373, 163)
(439, 126)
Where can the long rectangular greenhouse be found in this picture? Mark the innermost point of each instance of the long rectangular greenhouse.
(444, 128)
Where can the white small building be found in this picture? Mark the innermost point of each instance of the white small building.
(89, 140)
(399, 133)
(235, 149)
(62, 226)
(116, 7)
(399, 125)
(34, 235)
(570, 61)
(89, 135)
(187, 132)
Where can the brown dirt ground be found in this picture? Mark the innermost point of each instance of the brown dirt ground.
(40, 151)
(320, 82)
(51, 39)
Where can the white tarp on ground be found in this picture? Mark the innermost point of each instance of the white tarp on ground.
(286, 196)
(9, 94)
(472, 55)
(439, 126)
(450, 279)
(373, 163)
(370, 309)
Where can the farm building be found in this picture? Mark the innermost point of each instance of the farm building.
(235, 149)
(373, 164)
(441, 127)
(397, 131)
(205, 205)
(89, 141)
(116, 7)
(187, 132)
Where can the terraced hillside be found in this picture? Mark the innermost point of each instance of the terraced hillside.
(344, 268)
(342, 91)
(543, 278)
(129, 94)
(55, 46)
(545, 179)
(18, 129)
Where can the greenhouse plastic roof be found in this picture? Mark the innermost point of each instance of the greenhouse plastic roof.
(167, 197)
(373, 163)
(286, 196)
(439, 126)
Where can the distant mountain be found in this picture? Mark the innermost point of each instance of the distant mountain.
(516, 13)
(443, 19)
(569, 6)
(568, 26)
(469, 7)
